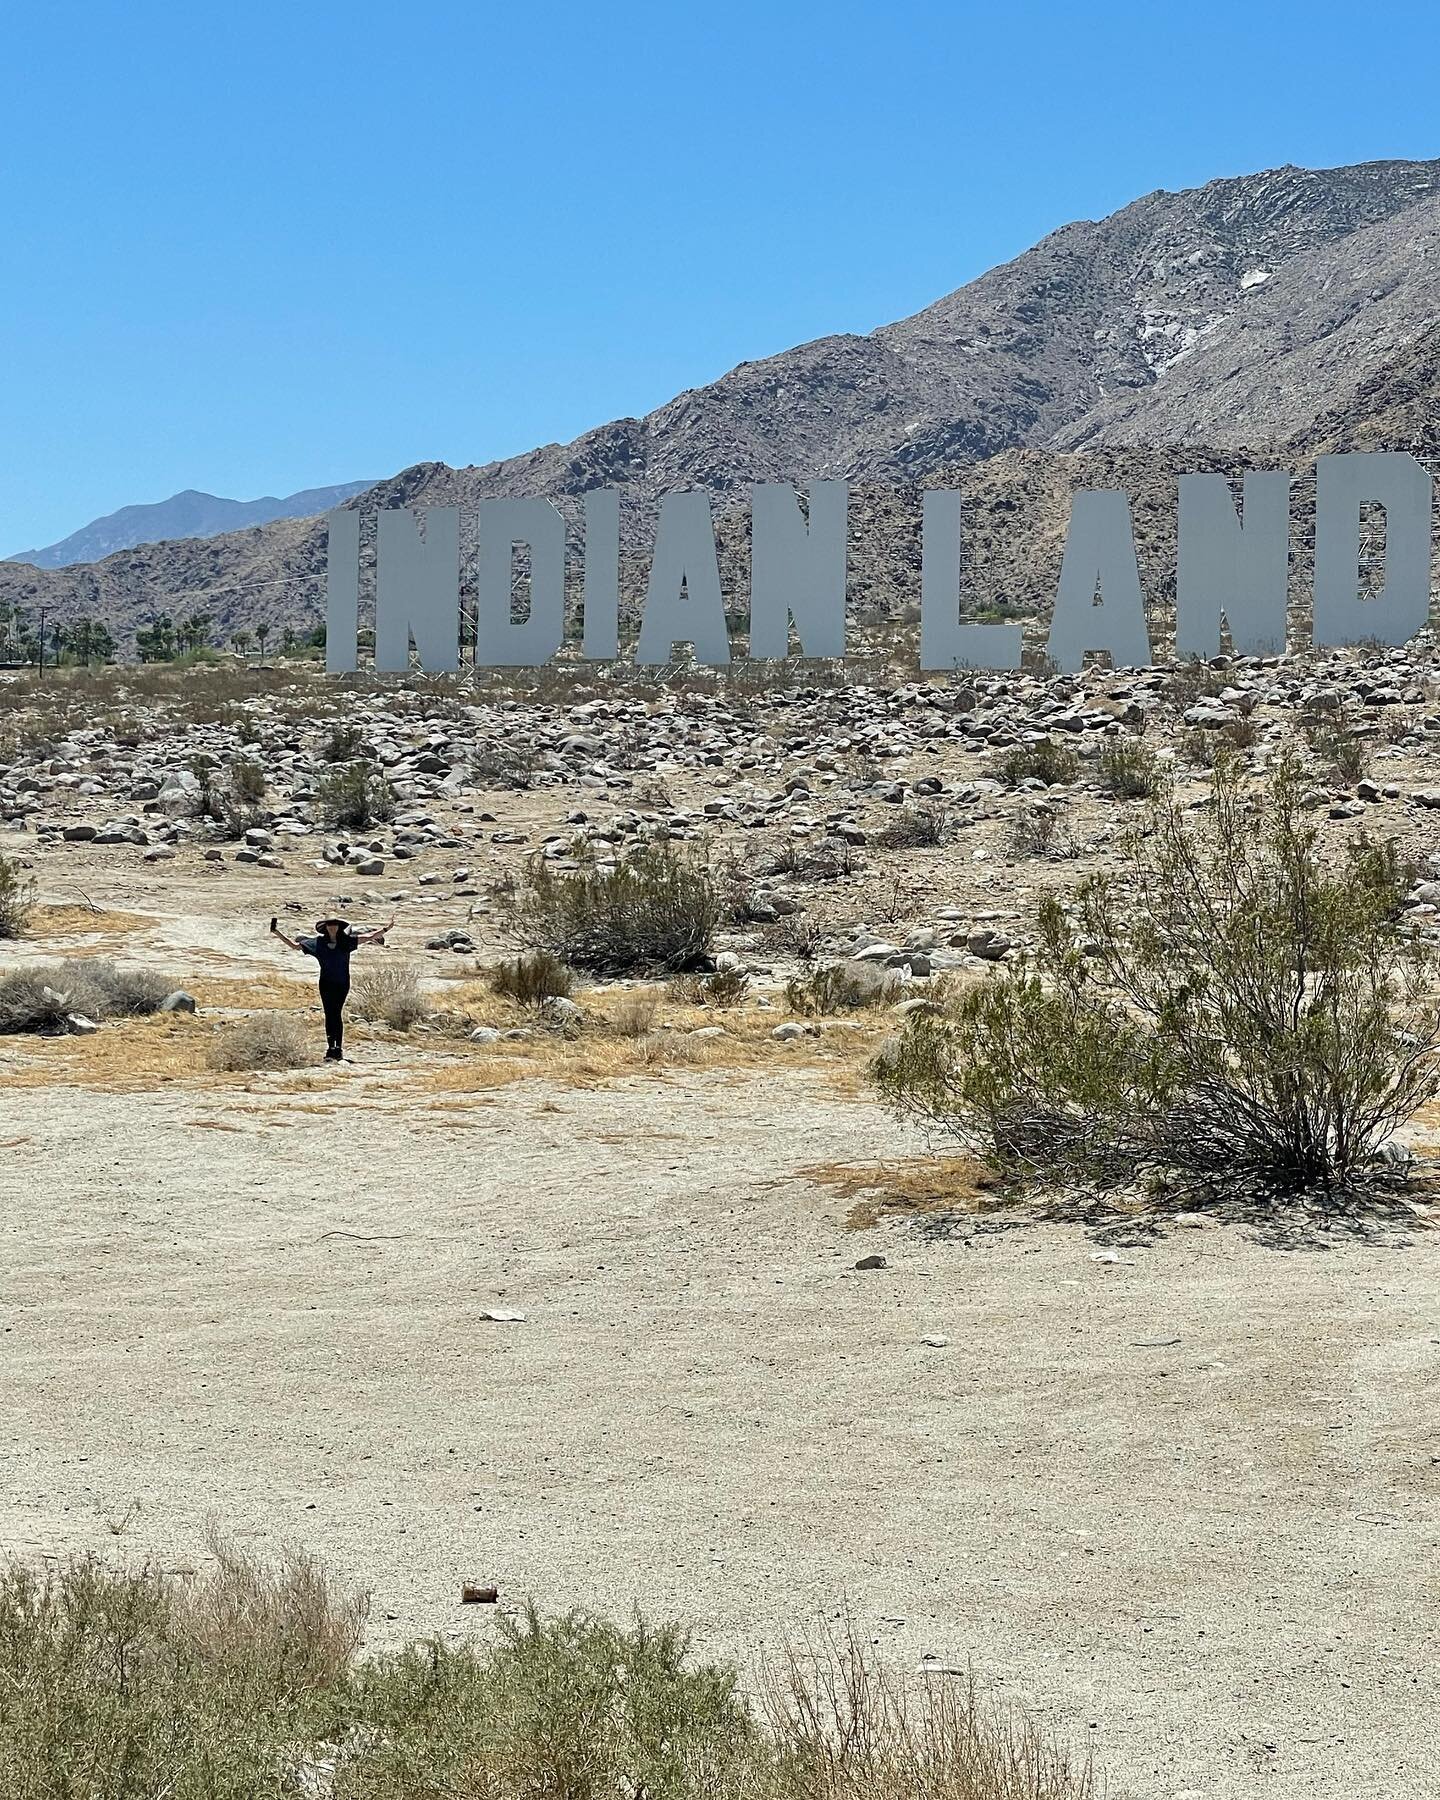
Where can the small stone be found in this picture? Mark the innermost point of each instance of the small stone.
(872, 1262)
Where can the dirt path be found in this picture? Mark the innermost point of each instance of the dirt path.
(1182, 1505)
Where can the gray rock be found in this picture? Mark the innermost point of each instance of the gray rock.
(179, 1001)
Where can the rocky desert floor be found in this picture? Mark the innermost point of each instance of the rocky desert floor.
(1169, 1482)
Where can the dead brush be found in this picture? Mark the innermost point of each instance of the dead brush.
(17, 898)
(721, 987)
(916, 827)
(271, 1041)
(848, 1728)
(1040, 831)
(389, 994)
(841, 987)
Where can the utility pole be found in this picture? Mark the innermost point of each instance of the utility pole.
(42, 643)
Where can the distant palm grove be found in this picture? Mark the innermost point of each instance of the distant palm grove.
(27, 639)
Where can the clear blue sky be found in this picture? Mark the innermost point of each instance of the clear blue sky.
(259, 247)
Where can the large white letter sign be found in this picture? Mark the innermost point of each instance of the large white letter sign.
(601, 597)
(945, 643)
(797, 572)
(1343, 486)
(1230, 569)
(417, 589)
(1099, 558)
(499, 641)
(342, 591)
(683, 604)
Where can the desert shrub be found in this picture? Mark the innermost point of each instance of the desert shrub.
(1342, 752)
(355, 795)
(573, 1706)
(1206, 749)
(247, 781)
(721, 987)
(915, 827)
(840, 987)
(849, 1728)
(1239, 1012)
(389, 993)
(271, 1040)
(1193, 679)
(121, 1682)
(532, 978)
(37, 999)
(117, 990)
(505, 765)
(41, 997)
(17, 896)
(1054, 765)
(830, 860)
(345, 744)
(633, 1015)
(658, 908)
(794, 934)
(118, 1683)
(1129, 771)
(233, 800)
(1040, 831)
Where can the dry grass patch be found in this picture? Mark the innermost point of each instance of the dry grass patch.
(242, 993)
(908, 1189)
(125, 1057)
(265, 1041)
(85, 921)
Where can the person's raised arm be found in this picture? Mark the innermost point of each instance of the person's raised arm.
(377, 936)
(277, 932)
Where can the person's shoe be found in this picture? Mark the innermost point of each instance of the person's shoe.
(332, 1054)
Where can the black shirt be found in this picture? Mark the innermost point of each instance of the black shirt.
(334, 959)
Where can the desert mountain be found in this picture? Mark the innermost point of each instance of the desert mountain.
(189, 514)
(1276, 314)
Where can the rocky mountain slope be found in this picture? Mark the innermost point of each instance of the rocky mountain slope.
(1280, 313)
(189, 514)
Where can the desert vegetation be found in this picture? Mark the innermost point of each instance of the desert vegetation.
(119, 1681)
(1231, 1010)
(17, 896)
(273, 1041)
(656, 908)
(52, 997)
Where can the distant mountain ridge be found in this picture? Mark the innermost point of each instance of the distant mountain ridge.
(188, 514)
(1255, 321)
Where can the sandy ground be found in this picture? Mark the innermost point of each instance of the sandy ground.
(1182, 1506)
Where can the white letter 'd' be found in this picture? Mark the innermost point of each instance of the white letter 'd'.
(1343, 485)
(499, 641)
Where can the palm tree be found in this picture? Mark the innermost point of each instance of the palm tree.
(241, 641)
(261, 633)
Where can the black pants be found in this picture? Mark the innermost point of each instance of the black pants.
(332, 998)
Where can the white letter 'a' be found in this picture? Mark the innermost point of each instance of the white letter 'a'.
(1343, 485)
(683, 603)
(1225, 569)
(945, 643)
(417, 589)
(1099, 558)
(797, 572)
(500, 642)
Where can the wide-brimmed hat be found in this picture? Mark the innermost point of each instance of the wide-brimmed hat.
(344, 924)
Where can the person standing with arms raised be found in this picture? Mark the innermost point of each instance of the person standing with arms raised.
(334, 942)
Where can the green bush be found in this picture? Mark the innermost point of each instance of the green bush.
(345, 744)
(17, 896)
(1128, 771)
(721, 987)
(657, 909)
(1239, 1012)
(532, 979)
(1055, 765)
(127, 1684)
(357, 796)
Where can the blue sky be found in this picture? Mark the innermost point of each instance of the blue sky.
(262, 247)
